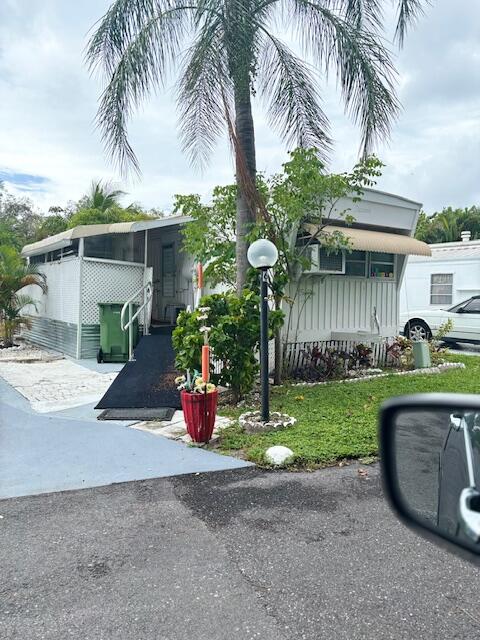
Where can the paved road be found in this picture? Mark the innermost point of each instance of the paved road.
(467, 349)
(40, 453)
(230, 555)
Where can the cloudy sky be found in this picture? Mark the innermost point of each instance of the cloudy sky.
(50, 150)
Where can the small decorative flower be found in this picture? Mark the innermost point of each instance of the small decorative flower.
(180, 380)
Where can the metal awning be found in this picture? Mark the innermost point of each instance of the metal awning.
(379, 241)
(64, 239)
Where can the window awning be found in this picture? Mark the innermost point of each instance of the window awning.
(379, 241)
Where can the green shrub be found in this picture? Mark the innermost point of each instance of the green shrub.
(234, 336)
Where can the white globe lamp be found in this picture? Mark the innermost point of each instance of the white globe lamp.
(262, 254)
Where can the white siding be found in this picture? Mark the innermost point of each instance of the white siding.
(339, 303)
(415, 291)
(62, 298)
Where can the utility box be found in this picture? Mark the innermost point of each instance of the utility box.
(421, 355)
(114, 341)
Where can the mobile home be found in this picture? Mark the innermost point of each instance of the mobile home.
(450, 275)
(352, 295)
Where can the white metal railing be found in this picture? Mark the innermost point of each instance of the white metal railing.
(147, 290)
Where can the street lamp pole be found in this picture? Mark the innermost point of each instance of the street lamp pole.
(264, 344)
(262, 255)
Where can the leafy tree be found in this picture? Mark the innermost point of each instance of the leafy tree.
(228, 51)
(303, 193)
(18, 219)
(14, 275)
(111, 215)
(233, 336)
(448, 224)
(50, 225)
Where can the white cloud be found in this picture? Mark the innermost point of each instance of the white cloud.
(49, 102)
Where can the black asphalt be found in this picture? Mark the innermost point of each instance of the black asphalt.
(148, 381)
(228, 555)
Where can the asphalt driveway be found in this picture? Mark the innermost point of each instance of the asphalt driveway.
(236, 555)
(40, 453)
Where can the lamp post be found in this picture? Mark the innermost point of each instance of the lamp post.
(262, 255)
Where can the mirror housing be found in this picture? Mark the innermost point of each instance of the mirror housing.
(410, 446)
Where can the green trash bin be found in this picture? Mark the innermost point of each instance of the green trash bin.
(114, 341)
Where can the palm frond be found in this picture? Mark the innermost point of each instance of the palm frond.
(362, 64)
(204, 93)
(361, 13)
(136, 52)
(288, 87)
(409, 11)
(119, 28)
(19, 302)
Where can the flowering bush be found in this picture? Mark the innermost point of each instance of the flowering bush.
(233, 324)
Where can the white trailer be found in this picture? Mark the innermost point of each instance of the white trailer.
(351, 296)
(449, 276)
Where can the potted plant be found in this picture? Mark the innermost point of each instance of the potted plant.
(199, 404)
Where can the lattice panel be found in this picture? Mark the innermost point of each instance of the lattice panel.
(107, 282)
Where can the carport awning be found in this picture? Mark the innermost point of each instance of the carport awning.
(379, 241)
(64, 239)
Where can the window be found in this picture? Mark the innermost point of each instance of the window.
(473, 306)
(40, 259)
(71, 250)
(382, 265)
(125, 247)
(168, 271)
(441, 288)
(53, 256)
(356, 263)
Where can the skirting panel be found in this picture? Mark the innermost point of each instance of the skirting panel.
(90, 340)
(52, 334)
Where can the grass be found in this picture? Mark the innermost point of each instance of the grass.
(339, 421)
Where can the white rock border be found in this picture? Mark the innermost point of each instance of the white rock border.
(428, 370)
(251, 422)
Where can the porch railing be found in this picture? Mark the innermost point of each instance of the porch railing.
(147, 291)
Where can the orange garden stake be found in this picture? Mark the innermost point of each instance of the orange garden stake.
(205, 363)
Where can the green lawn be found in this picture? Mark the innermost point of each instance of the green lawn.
(337, 421)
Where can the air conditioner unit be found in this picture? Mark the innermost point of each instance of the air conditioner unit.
(324, 262)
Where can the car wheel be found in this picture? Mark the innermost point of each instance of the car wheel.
(418, 330)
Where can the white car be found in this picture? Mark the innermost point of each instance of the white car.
(420, 325)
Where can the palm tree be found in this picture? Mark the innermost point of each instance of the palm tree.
(102, 196)
(227, 51)
(14, 275)
(447, 223)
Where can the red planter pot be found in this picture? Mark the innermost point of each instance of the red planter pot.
(199, 410)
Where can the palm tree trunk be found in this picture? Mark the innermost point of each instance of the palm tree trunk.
(245, 167)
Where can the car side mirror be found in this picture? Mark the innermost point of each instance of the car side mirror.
(461, 310)
(430, 460)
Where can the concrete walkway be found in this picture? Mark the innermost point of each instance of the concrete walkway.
(41, 453)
